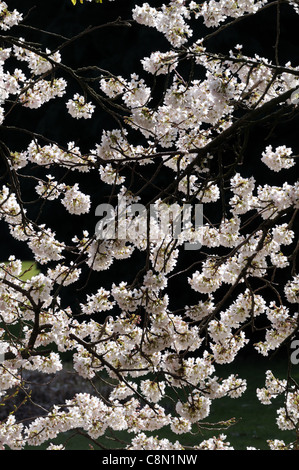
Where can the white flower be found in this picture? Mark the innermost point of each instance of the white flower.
(292, 290)
(8, 19)
(180, 426)
(195, 409)
(75, 201)
(79, 108)
(278, 159)
(113, 87)
(41, 92)
(49, 190)
(160, 63)
(153, 391)
(55, 447)
(98, 302)
(64, 275)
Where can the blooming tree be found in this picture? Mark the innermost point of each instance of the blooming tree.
(180, 138)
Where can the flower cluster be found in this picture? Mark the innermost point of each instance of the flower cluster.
(78, 108)
(9, 18)
(279, 159)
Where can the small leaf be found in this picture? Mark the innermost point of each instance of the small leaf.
(81, 1)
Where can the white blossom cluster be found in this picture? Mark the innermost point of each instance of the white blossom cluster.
(78, 108)
(279, 159)
(288, 415)
(130, 332)
(9, 18)
(37, 63)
